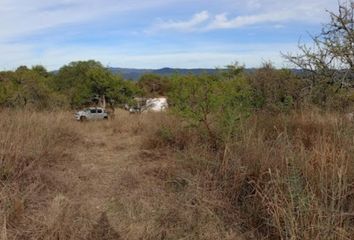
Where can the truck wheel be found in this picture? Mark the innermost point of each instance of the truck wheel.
(83, 119)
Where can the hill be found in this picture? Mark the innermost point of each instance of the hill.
(135, 74)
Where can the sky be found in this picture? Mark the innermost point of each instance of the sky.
(156, 33)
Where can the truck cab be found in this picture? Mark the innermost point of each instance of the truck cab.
(91, 113)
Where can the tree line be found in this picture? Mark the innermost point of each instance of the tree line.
(325, 80)
(73, 86)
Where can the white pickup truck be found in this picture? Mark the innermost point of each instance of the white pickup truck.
(91, 114)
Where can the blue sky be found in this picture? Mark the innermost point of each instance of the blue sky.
(155, 33)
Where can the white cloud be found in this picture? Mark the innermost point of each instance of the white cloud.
(186, 26)
(23, 17)
(188, 57)
(278, 26)
(204, 22)
(252, 12)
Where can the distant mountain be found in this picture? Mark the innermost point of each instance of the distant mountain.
(135, 74)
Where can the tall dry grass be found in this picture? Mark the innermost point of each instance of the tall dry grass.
(287, 176)
(301, 171)
(34, 148)
(147, 197)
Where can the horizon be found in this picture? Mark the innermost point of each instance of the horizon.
(156, 34)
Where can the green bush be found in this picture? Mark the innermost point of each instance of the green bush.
(212, 103)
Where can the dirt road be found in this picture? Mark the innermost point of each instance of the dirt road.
(133, 191)
(118, 181)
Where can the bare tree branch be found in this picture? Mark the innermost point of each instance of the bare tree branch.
(331, 58)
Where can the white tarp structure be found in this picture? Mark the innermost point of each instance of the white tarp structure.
(156, 104)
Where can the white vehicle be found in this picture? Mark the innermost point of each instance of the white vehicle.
(91, 114)
(156, 104)
(148, 105)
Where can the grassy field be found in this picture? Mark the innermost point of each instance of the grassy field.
(152, 176)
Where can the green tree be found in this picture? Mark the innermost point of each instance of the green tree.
(42, 71)
(153, 85)
(5, 87)
(232, 70)
(84, 81)
(213, 103)
(276, 90)
(28, 88)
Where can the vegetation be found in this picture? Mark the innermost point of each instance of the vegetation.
(209, 101)
(329, 63)
(266, 154)
(74, 85)
(288, 176)
(153, 85)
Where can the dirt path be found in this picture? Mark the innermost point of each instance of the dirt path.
(133, 193)
(104, 158)
(118, 181)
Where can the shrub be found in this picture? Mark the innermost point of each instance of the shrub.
(287, 176)
(211, 104)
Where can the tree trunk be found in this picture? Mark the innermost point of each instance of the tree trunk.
(103, 102)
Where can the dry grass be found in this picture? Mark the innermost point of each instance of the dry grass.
(300, 172)
(61, 180)
(281, 177)
(161, 199)
(34, 149)
(151, 176)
